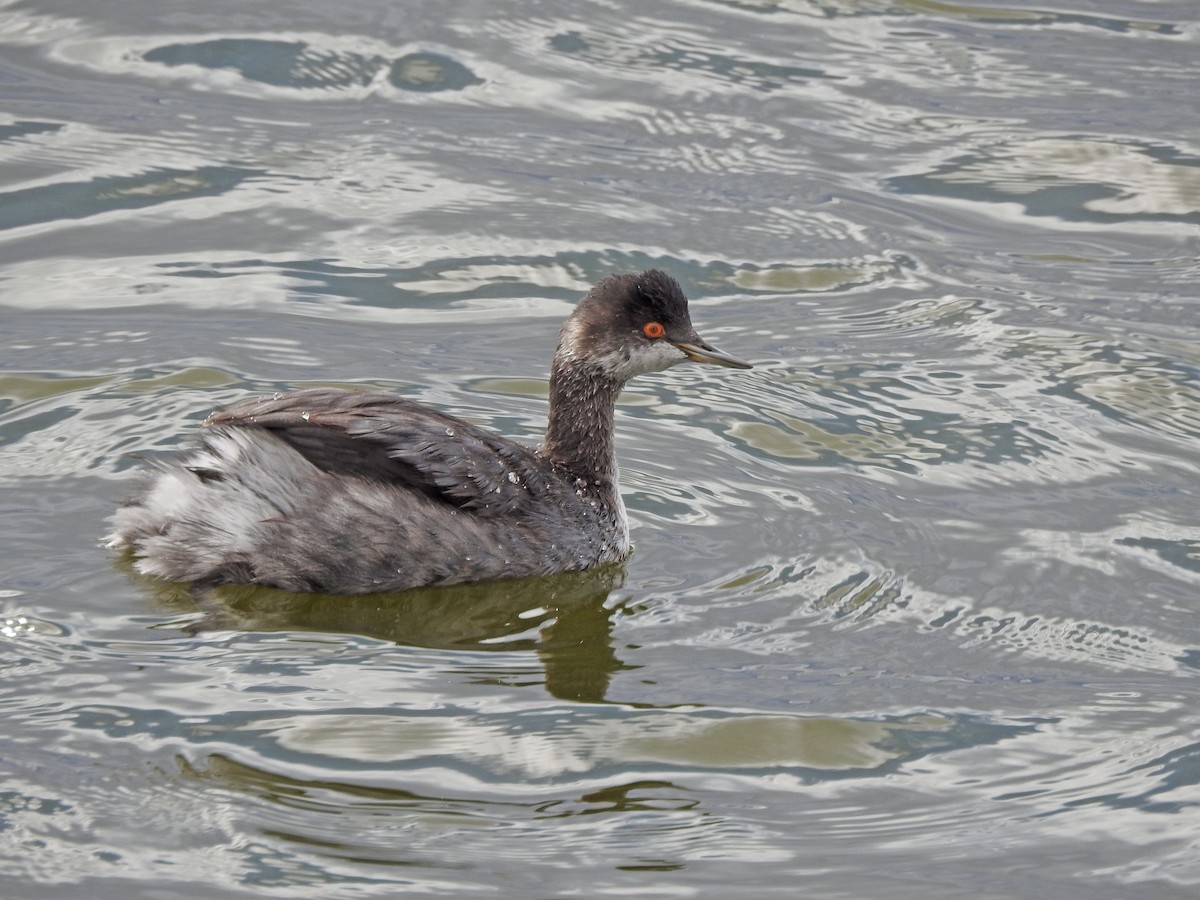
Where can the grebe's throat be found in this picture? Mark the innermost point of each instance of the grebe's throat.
(579, 429)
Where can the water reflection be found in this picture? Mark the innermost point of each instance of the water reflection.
(566, 619)
(1072, 179)
(34, 206)
(540, 753)
(928, 614)
(653, 49)
(299, 65)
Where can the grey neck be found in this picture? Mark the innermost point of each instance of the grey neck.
(579, 432)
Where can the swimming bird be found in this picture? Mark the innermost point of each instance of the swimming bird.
(350, 492)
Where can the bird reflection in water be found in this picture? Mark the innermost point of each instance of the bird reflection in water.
(566, 619)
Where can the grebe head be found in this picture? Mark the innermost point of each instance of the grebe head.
(629, 325)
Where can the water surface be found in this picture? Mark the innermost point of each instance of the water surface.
(912, 606)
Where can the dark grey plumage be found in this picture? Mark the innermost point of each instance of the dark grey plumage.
(349, 492)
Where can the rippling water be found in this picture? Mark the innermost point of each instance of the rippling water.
(912, 611)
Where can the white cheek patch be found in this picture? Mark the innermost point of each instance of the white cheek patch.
(640, 359)
(620, 363)
(652, 358)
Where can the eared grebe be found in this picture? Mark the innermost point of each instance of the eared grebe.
(349, 492)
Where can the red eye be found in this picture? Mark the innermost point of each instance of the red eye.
(653, 330)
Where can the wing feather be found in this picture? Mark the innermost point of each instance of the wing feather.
(387, 438)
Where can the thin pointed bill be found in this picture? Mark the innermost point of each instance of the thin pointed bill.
(698, 351)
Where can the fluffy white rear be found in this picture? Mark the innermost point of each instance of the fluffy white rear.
(199, 512)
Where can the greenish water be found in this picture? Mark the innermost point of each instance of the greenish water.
(912, 608)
